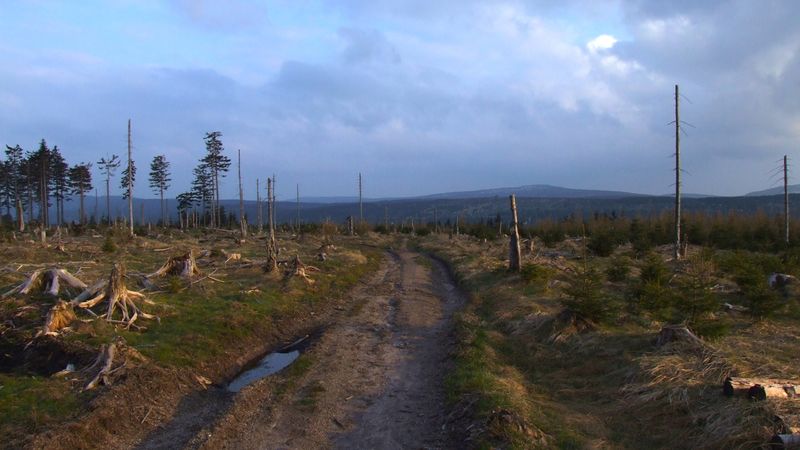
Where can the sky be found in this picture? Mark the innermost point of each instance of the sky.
(419, 96)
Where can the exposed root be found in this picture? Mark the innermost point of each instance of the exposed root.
(118, 296)
(114, 354)
(183, 265)
(298, 269)
(50, 280)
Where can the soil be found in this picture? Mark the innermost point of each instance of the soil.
(373, 378)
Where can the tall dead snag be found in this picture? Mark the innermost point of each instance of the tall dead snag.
(272, 247)
(677, 250)
(182, 266)
(118, 296)
(515, 254)
(50, 280)
(786, 199)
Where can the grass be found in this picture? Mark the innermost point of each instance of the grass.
(199, 326)
(35, 401)
(601, 387)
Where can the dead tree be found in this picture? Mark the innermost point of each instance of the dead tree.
(118, 296)
(515, 254)
(677, 252)
(183, 266)
(242, 225)
(786, 199)
(130, 182)
(272, 247)
(259, 209)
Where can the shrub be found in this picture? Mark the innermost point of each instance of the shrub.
(536, 275)
(602, 243)
(108, 245)
(654, 270)
(619, 269)
(586, 297)
(763, 300)
(696, 300)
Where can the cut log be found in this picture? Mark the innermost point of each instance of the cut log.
(760, 388)
(785, 441)
(677, 333)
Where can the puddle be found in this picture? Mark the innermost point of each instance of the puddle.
(273, 363)
(270, 364)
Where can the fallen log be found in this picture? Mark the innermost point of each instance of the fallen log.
(760, 389)
(785, 441)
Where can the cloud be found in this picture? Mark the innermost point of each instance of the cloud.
(600, 43)
(433, 96)
(364, 46)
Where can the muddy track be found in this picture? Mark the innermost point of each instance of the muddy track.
(374, 378)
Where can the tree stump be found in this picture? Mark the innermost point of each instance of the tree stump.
(183, 265)
(60, 316)
(677, 333)
(118, 296)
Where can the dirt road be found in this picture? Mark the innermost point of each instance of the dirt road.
(373, 379)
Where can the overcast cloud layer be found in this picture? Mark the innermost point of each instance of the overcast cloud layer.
(420, 96)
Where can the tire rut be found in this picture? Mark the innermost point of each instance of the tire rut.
(375, 378)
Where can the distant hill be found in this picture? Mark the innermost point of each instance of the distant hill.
(793, 189)
(534, 191)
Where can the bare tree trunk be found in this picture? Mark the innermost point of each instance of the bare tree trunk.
(360, 202)
(259, 209)
(130, 182)
(297, 210)
(677, 177)
(272, 248)
(786, 199)
(515, 254)
(242, 227)
(20, 216)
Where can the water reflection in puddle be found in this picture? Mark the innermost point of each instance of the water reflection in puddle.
(269, 365)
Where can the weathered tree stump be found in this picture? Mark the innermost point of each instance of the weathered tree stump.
(118, 296)
(61, 315)
(50, 280)
(677, 333)
(183, 265)
(298, 269)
